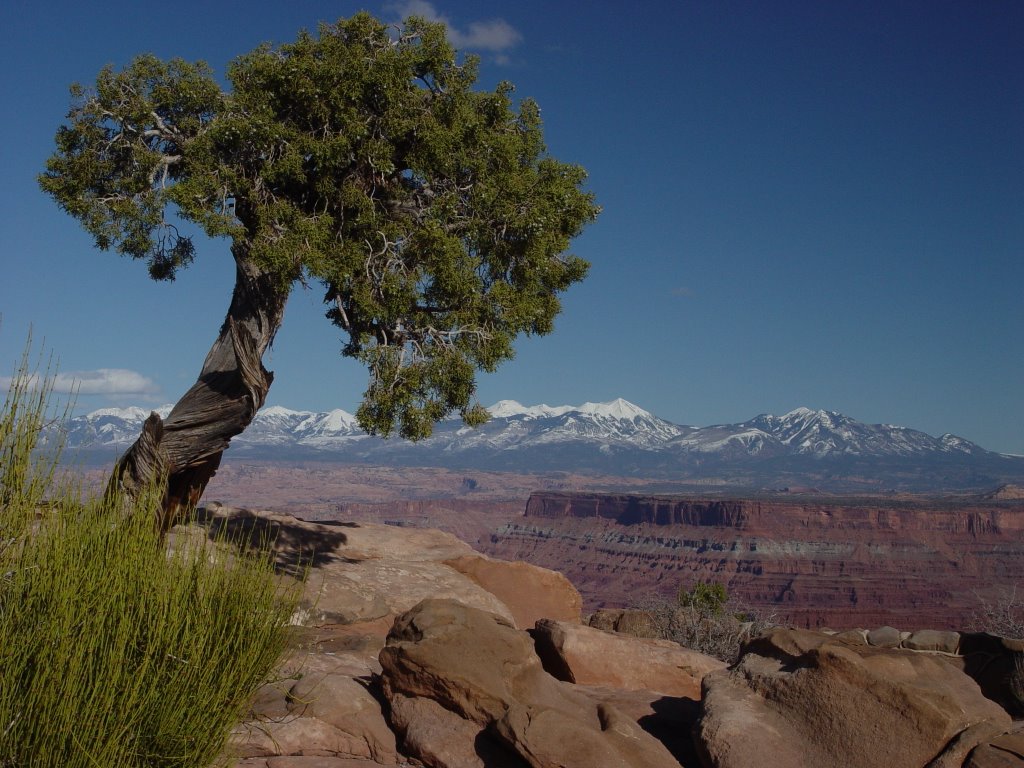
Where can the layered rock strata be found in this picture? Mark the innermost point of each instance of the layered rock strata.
(811, 563)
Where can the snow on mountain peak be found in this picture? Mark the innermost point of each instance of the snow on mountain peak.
(614, 427)
(615, 409)
(131, 413)
(339, 419)
(504, 409)
(800, 413)
(279, 411)
(507, 409)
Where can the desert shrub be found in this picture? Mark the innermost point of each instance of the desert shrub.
(703, 617)
(114, 651)
(1003, 614)
(1000, 614)
(704, 597)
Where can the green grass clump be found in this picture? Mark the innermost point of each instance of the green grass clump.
(113, 650)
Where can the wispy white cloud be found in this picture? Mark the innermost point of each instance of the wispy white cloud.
(495, 36)
(102, 381)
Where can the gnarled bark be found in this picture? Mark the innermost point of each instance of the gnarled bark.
(184, 450)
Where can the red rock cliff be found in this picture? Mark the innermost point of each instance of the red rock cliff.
(815, 562)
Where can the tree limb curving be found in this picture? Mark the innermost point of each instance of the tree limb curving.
(187, 446)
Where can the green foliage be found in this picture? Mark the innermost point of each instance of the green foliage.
(707, 597)
(23, 417)
(359, 158)
(112, 652)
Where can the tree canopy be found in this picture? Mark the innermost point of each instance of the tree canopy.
(362, 159)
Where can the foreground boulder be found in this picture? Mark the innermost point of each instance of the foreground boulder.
(669, 719)
(625, 621)
(1005, 751)
(798, 699)
(588, 656)
(529, 591)
(323, 705)
(324, 708)
(997, 664)
(488, 690)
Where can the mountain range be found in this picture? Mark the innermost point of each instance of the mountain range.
(802, 447)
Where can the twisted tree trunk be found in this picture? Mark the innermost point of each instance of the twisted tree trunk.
(184, 450)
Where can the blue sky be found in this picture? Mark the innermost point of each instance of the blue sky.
(805, 203)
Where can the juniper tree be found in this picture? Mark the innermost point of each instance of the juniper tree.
(361, 159)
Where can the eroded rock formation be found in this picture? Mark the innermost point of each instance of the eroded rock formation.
(811, 563)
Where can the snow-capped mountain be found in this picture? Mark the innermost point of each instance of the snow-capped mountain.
(109, 427)
(615, 437)
(819, 433)
(519, 427)
(515, 427)
(283, 427)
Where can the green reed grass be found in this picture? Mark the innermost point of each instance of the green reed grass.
(115, 650)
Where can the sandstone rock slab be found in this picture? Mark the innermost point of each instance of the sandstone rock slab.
(299, 761)
(477, 665)
(1005, 751)
(995, 663)
(794, 700)
(933, 640)
(589, 656)
(530, 592)
(440, 738)
(626, 621)
(669, 719)
(373, 588)
(885, 637)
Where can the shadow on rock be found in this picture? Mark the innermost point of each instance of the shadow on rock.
(296, 545)
(672, 723)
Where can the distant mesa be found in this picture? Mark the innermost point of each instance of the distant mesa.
(813, 561)
(1006, 492)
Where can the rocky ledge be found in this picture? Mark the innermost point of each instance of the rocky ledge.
(410, 649)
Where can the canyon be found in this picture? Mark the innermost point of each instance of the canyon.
(807, 558)
(812, 562)
(408, 648)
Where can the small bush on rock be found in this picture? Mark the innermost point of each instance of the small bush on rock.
(1002, 614)
(705, 597)
(704, 618)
